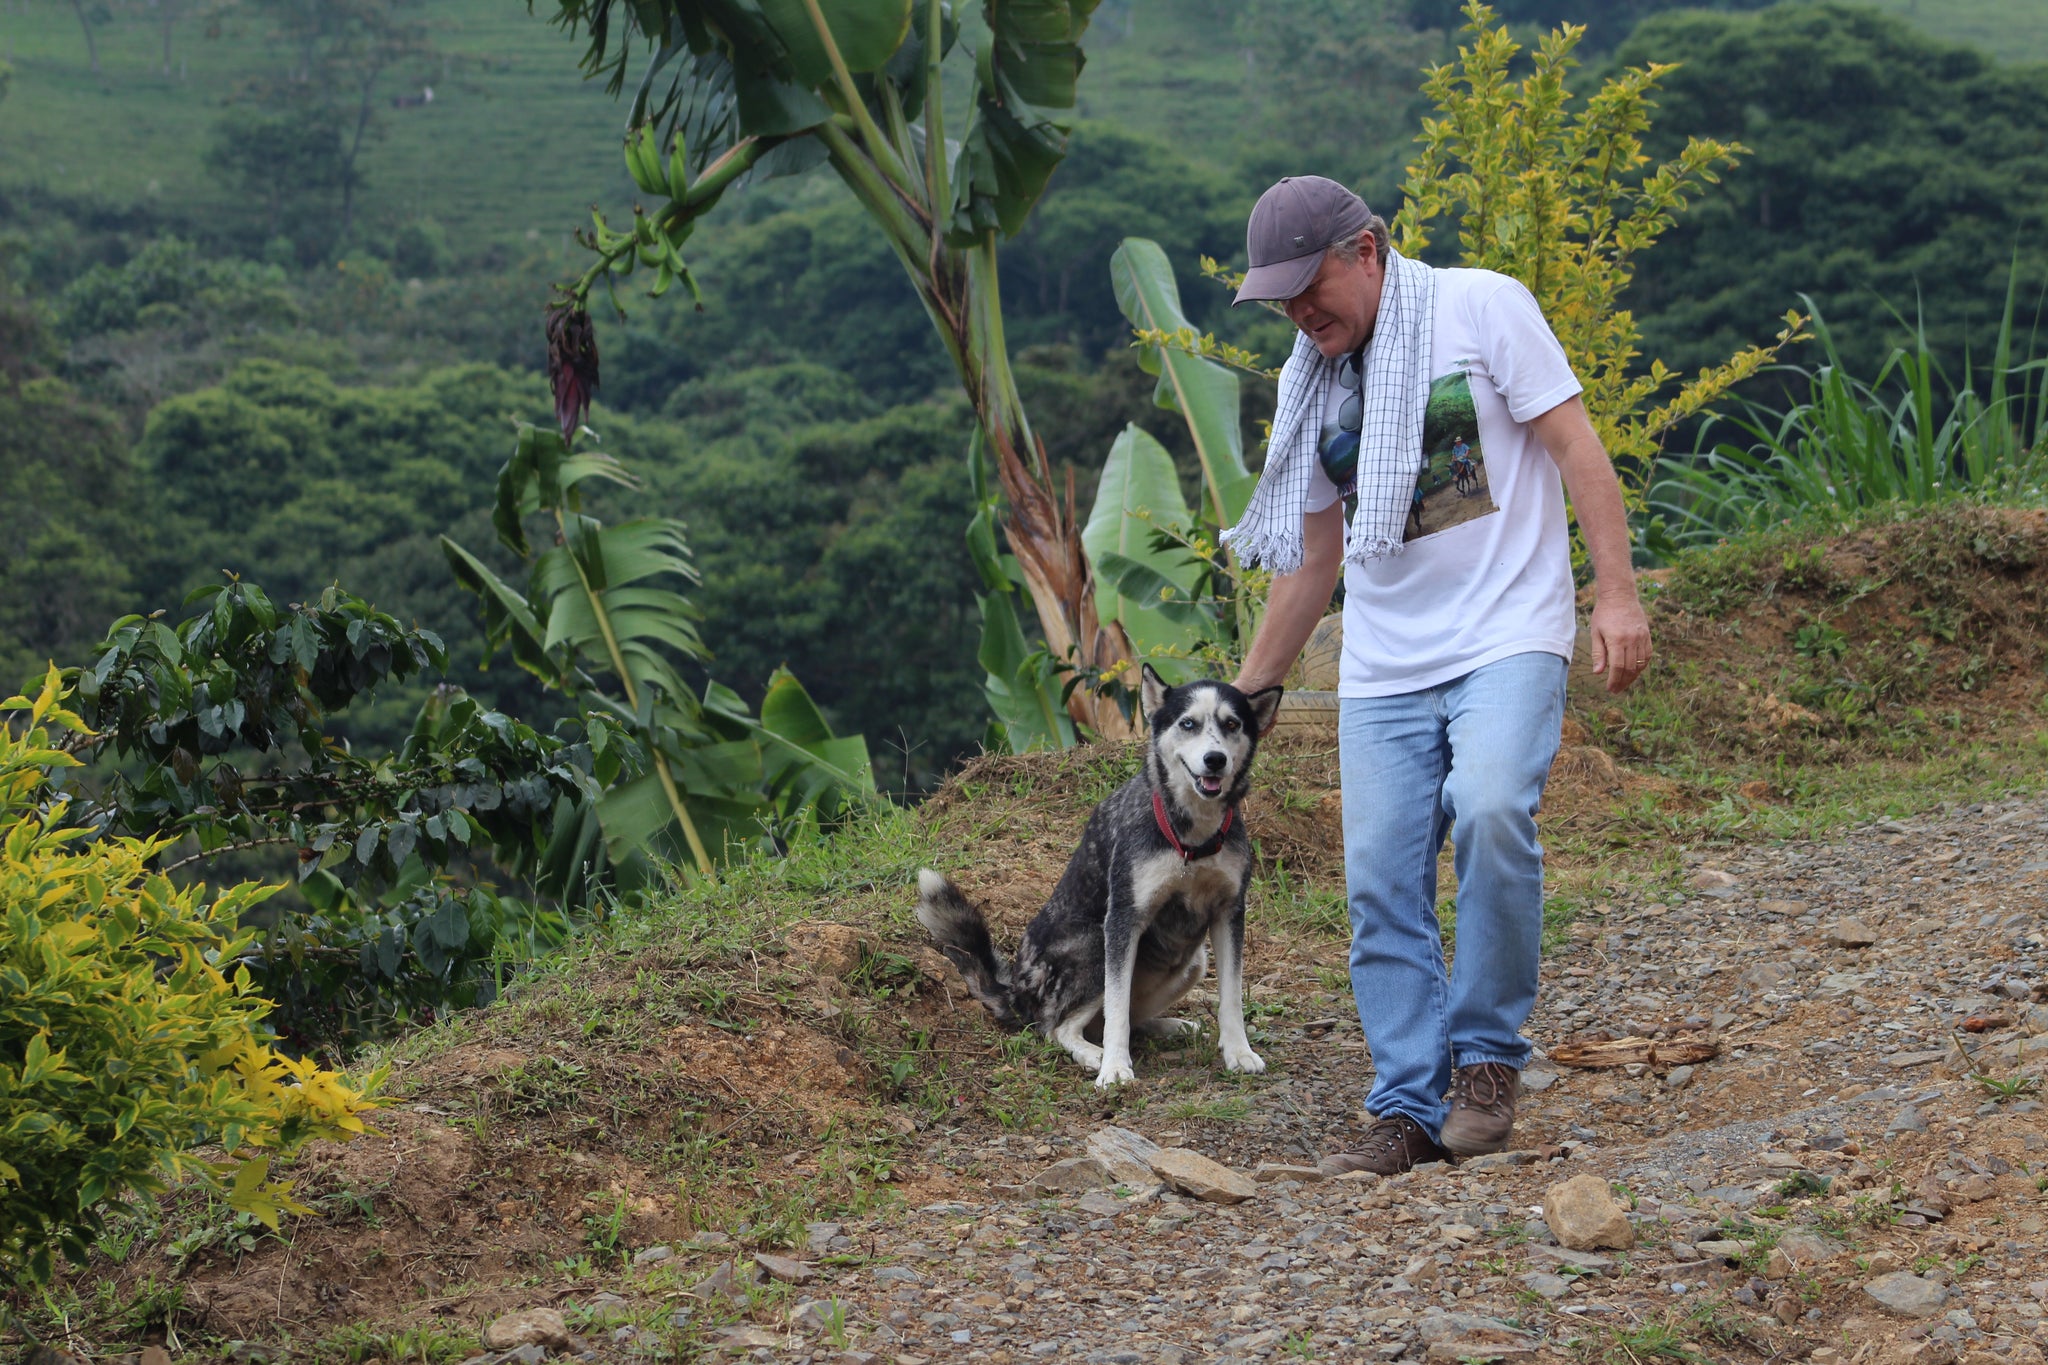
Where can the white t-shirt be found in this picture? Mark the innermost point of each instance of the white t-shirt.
(1486, 569)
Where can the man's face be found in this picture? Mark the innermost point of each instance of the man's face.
(1340, 305)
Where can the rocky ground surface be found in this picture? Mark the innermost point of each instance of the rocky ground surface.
(1855, 1176)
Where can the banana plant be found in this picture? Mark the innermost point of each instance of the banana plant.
(1159, 571)
(692, 776)
(1023, 686)
(1139, 516)
(1204, 393)
(732, 89)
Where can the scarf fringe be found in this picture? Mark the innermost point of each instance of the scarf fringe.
(1363, 550)
(1273, 550)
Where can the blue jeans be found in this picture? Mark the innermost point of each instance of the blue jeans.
(1474, 752)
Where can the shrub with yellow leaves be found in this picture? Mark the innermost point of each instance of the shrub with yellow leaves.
(133, 1054)
(1558, 193)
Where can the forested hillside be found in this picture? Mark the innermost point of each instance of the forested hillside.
(304, 367)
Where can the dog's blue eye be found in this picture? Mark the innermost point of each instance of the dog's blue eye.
(1187, 723)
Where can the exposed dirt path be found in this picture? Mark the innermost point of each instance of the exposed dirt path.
(1838, 1141)
(1839, 1121)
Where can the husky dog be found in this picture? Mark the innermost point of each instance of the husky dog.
(1159, 877)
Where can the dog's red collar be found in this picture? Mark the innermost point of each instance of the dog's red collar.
(1203, 850)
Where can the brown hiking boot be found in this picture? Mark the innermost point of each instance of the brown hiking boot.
(1391, 1146)
(1482, 1108)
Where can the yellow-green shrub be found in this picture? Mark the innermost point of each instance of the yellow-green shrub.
(1558, 192)
(124, 1047)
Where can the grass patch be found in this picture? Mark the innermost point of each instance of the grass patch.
(1211, 1109)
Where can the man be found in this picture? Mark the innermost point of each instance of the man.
(1456, 641)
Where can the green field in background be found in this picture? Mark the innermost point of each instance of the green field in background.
(514, 142)
(516, 145)
(2012, 30)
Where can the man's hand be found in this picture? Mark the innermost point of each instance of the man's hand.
(1621, 632)
(1621, 640)
(1296, 602)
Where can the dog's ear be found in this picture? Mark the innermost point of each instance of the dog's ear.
(1265, 708)
(1151, 692)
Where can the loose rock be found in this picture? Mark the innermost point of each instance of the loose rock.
(1583, 1214)
(1126, 1156)
(529, 1327)
(784, 1269)
(1907, 1294)
(1851, 933)
(1272, 1172)
(1907, 1120)
(1194, 1174)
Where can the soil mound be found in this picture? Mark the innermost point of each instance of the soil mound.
(1890, 637)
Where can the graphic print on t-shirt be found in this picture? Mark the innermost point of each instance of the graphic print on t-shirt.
(1451, 489)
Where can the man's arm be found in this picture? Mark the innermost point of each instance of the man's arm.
(1297, 601)
(1620, 630)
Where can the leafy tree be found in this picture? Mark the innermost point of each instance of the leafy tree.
(65, 503)
(1333, 89)
(92, 47)
(420, 249)
(1883, 172)
(220, 730)
(340, 51)
(1561, 196)
(290, 160)
(168, 277)
(129, 1040)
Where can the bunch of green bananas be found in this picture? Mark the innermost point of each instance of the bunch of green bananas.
(643, 160)
(656, 238)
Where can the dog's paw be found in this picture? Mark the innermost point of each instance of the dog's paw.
(1168, 1028)
(1243, 1059)
(1114, 1073)
(1087, 1054)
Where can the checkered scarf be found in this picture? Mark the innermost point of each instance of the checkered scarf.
(1397, 364)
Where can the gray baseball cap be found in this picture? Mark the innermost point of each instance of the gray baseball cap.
(1291, 226)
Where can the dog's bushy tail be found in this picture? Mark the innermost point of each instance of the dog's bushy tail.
(960, 932)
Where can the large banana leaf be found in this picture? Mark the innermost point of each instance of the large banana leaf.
(1201, 391)
(509, 621)
(866, 32)
(721, 788)
(1139, 494)
(1025, 78)
(1021, 687)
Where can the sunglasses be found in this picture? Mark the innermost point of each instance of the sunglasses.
(1338, 451)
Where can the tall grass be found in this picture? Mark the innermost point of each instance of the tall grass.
(1912, 435)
